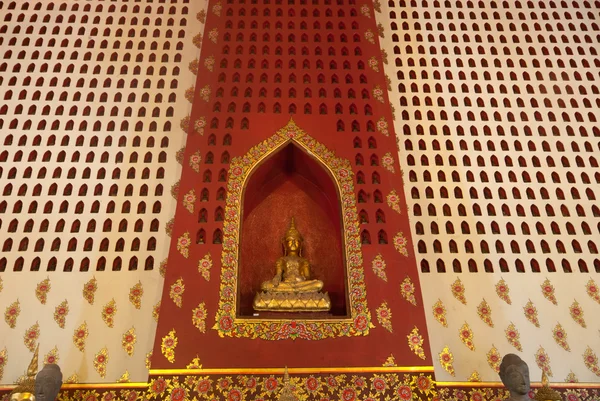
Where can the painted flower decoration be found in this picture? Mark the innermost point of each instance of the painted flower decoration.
(475, 377)
(446, 360)
(485, 313)
(193, 66)
(543, 361)
(132, 395)
(466, 336)
(393, 201)
(204, 266)
(201, 16)
(89, 290)
(189, 94)
(513, 336)
(439, 313)
(400, 243)
(378, 266)
(571, 378)
(370, 36)
(135, 295)
(531, 313)
(364, 10)
(199, 127)
(494, 359)
(199, 317)
(458, 290)
(3, 361)
(195, 160)
(184, 124)
(197, 40)
(591, 361)
(548, 291)
(156, 311)
(391, 361)
(209, 63)
(387, 161)
(407, 290)
(560, 336)
(415, 342)
(216, 9)
(577, 314)
(168, 345)
(128, 341)
(31, 336)
(195, 364)
(213, 35)
(188, 200)
(384, 316)
(592, 290)
(100, 361)
(183, 244)
(374, 64)
(42, 290)
(378, 93)
(108, 313)
(80, 334)
(51, 356)
(503, 291)
(175, 190)
(60, 313)
(176, 292)
(11, 314)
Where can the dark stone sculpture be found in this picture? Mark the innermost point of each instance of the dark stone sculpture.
(48, 382)
(514, 374)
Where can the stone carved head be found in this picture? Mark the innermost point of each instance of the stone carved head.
(48, 382)
(514, 374)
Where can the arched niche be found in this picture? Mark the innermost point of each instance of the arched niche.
(291, 183)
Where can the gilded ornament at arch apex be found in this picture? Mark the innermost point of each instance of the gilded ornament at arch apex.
(60, 313)
(548, 291)
(226, 321)
(503, 291)
(390, 361)
(89, 290)
(135, 295)
(458, 290)
(592, 290)
(475, 377)
(571, 378)
(484, 311)
(577, 313)
(194, 364)
(42, 290)
(11, 314)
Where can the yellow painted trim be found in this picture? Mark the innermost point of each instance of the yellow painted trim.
(279, 371)
(499, 384)
(90, 386)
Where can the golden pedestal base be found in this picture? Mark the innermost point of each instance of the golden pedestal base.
(292, 302)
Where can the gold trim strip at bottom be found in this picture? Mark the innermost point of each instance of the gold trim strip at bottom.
(280, 371)
(89, 386)
(499, 384)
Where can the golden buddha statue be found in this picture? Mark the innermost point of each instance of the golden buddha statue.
(292, 289)
(25, 389)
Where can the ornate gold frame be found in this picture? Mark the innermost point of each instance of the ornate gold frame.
(226, 322)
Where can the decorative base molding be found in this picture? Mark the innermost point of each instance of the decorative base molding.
(292, 302)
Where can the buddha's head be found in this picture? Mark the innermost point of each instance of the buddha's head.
(292, 241)
(48, 382)
(514, 373)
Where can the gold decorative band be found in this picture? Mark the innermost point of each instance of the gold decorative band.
(499, 385)
(279, 371)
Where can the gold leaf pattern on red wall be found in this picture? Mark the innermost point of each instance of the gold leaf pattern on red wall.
(128, 341)
(80, 335)
(176, 292)
(531, 313)
(503, 291)
(378, 265)
(31, 336)
(384, 316)
(42, 290)
(407, 289)
(458, 291)
(494, 359)
(577, 314)
(466, 336)
(543, 361)
(51, 356)
(11, 314)
(183, 244)
(168, 345)
(415, 343)
(189, 199)
(199, 317)
(446, 360)
(108, 313)
(439, 312)
(204, 266)
(391, 361)
(100, 362)
(484, 311)
(135, 295)
(89, 290)
(560, 336)
(195, 157)
(548, 291)
(400, 243)
(393, 200)
(195, 364)
(60, 313)
(387, 161)
(592, 290)
(513, 336)
(162, 269)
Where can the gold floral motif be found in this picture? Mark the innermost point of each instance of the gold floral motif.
(370, 36)
(374, 64)
(175, 190)
(168, 345)
(531, 313)
(156, 311)
(390, 361)
(494, 359)
(128, 341)
(1, 284)
(577, 314)
(485, 313)
(60, 313)
(400, 243)
(393, 201)
(458, 290)
(213, 35)
(592, 290)
(199, 127)
(387, 161)
(184, 124)
(407, 289)
(124, 377)
(216, 9)
(204, 266)
(415, 342)
(503, 291)
(380, 29)
(148, 362)
(466, 336)
(364, 10)
(384, 56)
(51, 356)
(560, 336)
(189, 199)
(42, 290)
(189, 94)
(11, 314)
(377, 6)
(80, 334)
(475, 377)
(179, 155)
(591, 361)
(100, 361)
(201, 16)
(194, 162)
(169, 227)
(135, 295)
(197, 40)
(379, 266)
(205, 93)
(513, 336)
(30, 338)
(384, 316)
(446, 360)
(176, 292)
(209, 63)
(183, 244)
(162, 268)
(378, 93)
(548, 291)
(108, 313)
(195, 364)
(571, 378)
(543, 361)
(73, 379)
(227, 323)
(3, 361)
(89, 290)
(199, 317)
(439, 313)
(193, 66)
